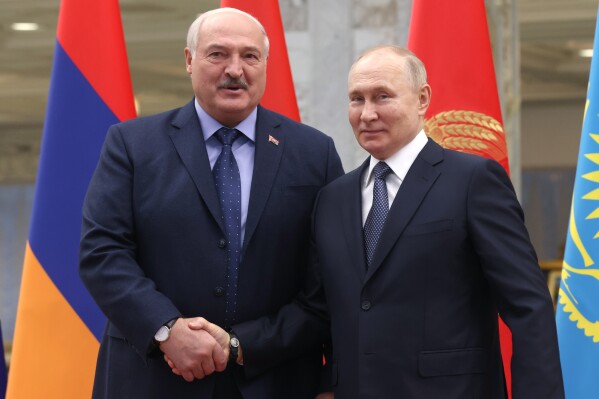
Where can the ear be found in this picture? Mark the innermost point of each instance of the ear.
(188, 59)
(424, 99)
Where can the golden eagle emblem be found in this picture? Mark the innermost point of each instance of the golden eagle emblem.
(580, 304)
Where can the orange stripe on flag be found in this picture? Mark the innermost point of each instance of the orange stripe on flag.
(54, 353)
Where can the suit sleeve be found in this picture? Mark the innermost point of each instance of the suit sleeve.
(298, 326)
(334, 166)
(511, 267)
(108, 264)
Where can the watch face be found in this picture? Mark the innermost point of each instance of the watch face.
(162, 334)
(234, 342)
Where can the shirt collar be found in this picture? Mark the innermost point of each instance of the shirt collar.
(210, 125)
(402, 160)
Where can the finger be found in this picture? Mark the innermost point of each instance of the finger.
(208, 366)
(176, 371)
(198, 373)
(219, 357)
(187, 376)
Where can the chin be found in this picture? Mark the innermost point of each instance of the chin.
(375, 149)
(234, 108)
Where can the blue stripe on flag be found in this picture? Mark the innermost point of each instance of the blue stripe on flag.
(76, 123)
(578, 308)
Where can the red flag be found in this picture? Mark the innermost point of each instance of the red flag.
(280, 93)
(452, 40)
(58, 324)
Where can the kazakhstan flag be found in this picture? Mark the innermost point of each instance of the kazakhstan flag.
(578, 307)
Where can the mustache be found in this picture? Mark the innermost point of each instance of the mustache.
(233, 82)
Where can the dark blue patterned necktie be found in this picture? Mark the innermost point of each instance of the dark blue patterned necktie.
(228, 187)
(378, 212)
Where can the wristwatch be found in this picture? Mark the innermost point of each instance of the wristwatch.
(233, 347)
(165, 331)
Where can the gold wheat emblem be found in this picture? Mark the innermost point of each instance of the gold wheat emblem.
(467, 131)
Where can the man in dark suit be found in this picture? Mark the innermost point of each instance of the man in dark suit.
(415, 254)
(160, 243)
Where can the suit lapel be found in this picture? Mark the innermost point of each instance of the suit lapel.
(351, 216)
(188, 140)
(418, 181)
(266, 165)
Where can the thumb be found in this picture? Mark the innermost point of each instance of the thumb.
(220, 335)
(198, 323)
(213, 329)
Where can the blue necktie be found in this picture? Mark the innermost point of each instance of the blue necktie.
(228, 187)
(378, 212)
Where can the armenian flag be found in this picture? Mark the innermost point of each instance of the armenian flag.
(58, 325)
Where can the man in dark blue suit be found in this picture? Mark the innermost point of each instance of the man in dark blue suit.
(415, 254)
(161, 244)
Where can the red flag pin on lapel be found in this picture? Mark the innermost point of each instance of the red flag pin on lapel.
(273, 140)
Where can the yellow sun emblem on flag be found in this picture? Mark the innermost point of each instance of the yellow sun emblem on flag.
(578, 302)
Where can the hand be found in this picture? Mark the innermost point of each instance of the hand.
(325, 395)
(220, 335)
(193, 353)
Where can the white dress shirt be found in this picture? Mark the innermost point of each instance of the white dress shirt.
(400, 163)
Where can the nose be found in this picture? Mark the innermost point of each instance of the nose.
(234, 68)
(368, 112)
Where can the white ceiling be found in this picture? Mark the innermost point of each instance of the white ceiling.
(551, 32)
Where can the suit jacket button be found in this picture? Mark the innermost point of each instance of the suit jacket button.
(366, 305)
(222, 243)
(219, 291)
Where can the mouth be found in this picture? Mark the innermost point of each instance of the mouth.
(233, 88)
(371, 131)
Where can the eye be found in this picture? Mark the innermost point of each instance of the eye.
(383, 96)
(356, 99)
(251, 58)
(216, 55)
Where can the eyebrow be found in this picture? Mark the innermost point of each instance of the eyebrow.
(216, 46)
(375, 89)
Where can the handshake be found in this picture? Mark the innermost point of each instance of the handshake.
(197, 348)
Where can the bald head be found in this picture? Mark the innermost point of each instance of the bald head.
(194, 28)
(414, 68)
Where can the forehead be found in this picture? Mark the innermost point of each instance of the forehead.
(380, 70)
(230, 28)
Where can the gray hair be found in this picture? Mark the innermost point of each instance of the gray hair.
(415, 68)
(194, 29)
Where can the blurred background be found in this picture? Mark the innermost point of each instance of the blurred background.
(541, 52)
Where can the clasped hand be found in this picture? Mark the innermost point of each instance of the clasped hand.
(196, 348)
